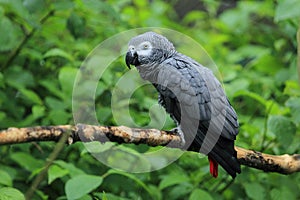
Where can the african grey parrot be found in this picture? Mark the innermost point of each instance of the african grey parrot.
(192, 96)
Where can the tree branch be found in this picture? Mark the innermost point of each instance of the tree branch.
(283, 164)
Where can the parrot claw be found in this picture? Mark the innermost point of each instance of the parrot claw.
(179, 132)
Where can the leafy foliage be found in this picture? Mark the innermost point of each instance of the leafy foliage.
(43, 43)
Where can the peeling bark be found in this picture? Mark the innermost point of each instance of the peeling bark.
(283, 164)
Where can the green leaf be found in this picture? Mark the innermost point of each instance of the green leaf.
(236, 85)
(282, 193)
(55, 172)
(33, 54)
(157, 115)
(103, 6)
(42, 195)
(283, 128)
(200, 193)
(2, 115)
(104, 197)
(1, 11)
(7, 193)
(9, 35)
(252, 95)
(268, 64)
(103, 113)
(156, 192)
(55, 104)
(294, 104)
(1, 80)
(81, 185)
(132, 177)
(27, 161)
(34, 5)
(108, 196)
(127, 159)
(58, 53)
(100, 88)
(292, 88)
(52, 87)
(59, 117)
(15, 7)
(66, 79)
(76, 25)
(181, 191)
(11, 170)
(5, 178)
(73, 171)
(31, 96)
(236, 20)
(18, 78)
(287, 9)
(35, 172)
(255, 191)
(107, 77)
(63, 4)
(193, 16)
(38, 111)
(97, 147)
(86, 197)
(172, 179)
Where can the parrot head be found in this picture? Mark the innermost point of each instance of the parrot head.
(148, 49)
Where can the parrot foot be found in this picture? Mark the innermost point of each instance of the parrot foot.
(179, 132)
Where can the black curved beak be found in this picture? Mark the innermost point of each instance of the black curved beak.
(131, 59)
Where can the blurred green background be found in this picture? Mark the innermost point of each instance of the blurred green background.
(43, 44)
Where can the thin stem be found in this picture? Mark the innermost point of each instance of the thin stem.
(58, 148)
(265, 130)
(298, 48)
(16, 52)
(226, 186)
(216, 186)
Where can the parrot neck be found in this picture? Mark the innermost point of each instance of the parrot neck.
(149, 72)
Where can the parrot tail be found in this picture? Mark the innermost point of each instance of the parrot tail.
(226, 158)
(213, 167)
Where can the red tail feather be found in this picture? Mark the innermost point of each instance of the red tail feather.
(213, 167)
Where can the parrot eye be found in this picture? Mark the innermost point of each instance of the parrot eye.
(146, 46)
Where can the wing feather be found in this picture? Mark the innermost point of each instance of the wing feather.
(195, 99)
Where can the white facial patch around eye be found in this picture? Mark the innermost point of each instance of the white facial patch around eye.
(145, 48)
(145, 45)
(131, 48)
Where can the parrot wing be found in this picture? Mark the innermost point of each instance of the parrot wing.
(195, 99)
